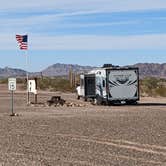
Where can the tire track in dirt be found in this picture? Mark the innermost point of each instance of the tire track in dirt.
(120, 143)
(157, 152)
(76, 143)
(49, 159)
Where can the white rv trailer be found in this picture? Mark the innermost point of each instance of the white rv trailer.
(111, 85)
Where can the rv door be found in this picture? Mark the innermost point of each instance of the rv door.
(90, 85)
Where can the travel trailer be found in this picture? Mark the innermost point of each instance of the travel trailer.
(110, 85)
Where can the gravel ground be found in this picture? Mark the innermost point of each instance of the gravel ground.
(81, 136)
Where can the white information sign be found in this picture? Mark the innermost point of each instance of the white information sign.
(32, 86)
(12, 84)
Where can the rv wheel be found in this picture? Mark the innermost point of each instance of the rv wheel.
(131, 102)
(99, 100)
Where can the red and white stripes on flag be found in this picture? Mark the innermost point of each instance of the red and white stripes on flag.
(22, 41)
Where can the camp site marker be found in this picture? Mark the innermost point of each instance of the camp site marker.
(32, 88)
(12, 88)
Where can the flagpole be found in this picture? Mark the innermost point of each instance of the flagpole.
(27, 64)
(23, 44)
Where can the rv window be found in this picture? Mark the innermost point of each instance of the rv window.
(103, 83)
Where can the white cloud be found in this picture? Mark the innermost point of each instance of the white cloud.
(71, 8)
(20, 24)
(100, 42)
(88, 42)
(31, 23)
(100, 24)
(77, 5)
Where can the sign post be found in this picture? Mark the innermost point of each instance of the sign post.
(12, 88)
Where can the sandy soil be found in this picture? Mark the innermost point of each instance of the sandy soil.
(81, 136)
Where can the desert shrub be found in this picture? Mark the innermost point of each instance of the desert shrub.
(54, 84)
(3, 81)
(153, 86)
(150, 82)
(161, 91)
(44, 83)
(20, 80)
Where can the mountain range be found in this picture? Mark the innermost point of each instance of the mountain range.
(145, 69)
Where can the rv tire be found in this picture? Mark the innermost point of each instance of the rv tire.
(99, 100)
(131, 102)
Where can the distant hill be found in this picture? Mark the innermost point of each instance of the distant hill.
(145, 69)
(10, 72)
(151, 69)
(63, 69)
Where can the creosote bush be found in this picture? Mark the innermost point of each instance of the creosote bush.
(55, 84)
(153, 87)
(149, 86)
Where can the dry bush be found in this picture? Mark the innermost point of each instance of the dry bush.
(153, 87)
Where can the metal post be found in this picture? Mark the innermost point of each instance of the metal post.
(12, 88)
(12, 102)
(36, 90)
(35, 98)
(27, 77)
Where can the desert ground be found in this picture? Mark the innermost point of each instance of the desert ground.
(82, 134)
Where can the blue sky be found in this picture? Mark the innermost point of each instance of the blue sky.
(90, 32)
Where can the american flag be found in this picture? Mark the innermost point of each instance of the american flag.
(22, 41)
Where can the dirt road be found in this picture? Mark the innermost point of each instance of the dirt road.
(82, 136)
